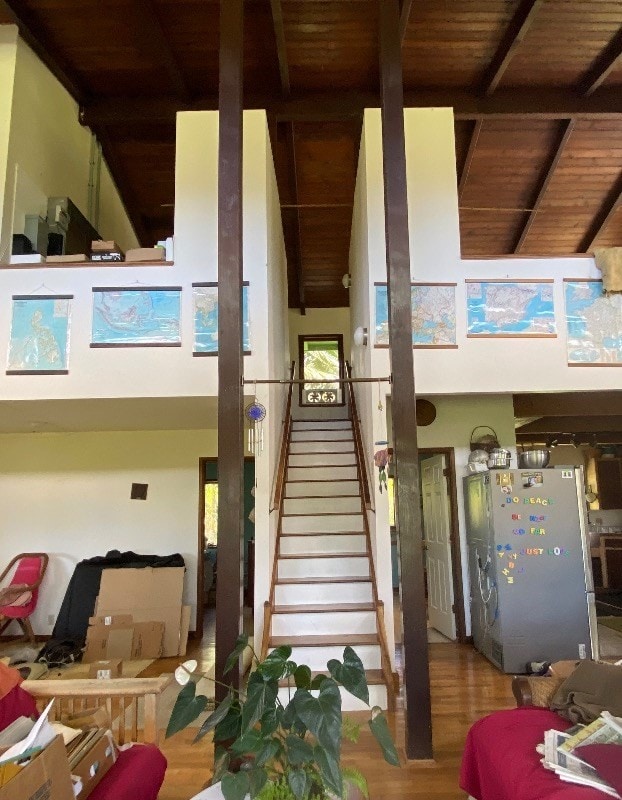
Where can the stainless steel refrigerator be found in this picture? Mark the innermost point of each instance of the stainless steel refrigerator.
(532, 595)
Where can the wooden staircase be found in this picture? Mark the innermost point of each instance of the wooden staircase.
(323, 595)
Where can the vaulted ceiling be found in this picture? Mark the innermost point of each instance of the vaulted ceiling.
(536, 86)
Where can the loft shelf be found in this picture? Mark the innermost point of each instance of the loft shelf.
(96, 264)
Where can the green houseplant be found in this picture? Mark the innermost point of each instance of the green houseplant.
(271, 750)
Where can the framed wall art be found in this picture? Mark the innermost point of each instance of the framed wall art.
(142, 316)
(510, 308)
(39, 339)
(205, 313)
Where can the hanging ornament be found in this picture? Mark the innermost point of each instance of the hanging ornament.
(255, 413)
(381, 456)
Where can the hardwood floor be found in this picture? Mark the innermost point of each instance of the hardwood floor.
(465, 687)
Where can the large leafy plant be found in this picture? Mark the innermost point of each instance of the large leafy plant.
(272, 750)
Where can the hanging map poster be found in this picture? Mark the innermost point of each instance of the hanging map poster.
(39, 342)
(433, 314)
(510, 308)
(594, 324)
(143, 316)
(205, 301)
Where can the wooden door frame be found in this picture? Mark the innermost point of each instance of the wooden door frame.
(200, 615)
(320, 337)
(456, 555)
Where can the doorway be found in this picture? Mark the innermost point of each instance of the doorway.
(321, 364)
(441, 546)
(207, 571)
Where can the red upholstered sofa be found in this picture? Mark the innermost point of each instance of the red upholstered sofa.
(500, 761)
(137, 774)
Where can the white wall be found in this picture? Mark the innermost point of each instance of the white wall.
(48, 142)
(8, 54)
(69, 495)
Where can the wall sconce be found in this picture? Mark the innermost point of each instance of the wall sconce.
(346, 281)
(360, 337)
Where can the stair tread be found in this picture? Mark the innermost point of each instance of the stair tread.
(326, 640)
(374, 677)
(330, 579)
(323, 555)
(326, 514)
(319, 608)
(325, 533)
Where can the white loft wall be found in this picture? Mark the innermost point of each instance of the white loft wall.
(8, 54)
(49, 144)
(69, 495)
(478, 365)
(273, 396)
(160, 371)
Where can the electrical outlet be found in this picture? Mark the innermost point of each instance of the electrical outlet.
(582, 651)
(50, 619)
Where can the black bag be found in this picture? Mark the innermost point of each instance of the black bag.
(60, 652)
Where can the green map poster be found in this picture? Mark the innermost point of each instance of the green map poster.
(594, 324)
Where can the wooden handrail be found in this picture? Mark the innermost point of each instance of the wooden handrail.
(279, 477)
(131, 703)
(358, 441)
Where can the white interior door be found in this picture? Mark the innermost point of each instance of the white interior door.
(436, 533)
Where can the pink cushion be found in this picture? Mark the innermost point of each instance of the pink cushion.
(500, 761)
(606, 760)
(137, 775)
(17, 703)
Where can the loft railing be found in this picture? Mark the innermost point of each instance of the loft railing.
(361, 461)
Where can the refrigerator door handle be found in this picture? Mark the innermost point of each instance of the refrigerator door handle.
(583, 527)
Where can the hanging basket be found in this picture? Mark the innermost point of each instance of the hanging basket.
(486, 439)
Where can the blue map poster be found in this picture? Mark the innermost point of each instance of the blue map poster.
(433, 315)
(39, 340)
(205, 300)
(594, 324)
(510, 308)
(144, 316)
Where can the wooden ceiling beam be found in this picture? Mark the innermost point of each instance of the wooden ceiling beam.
(341, 105)
(602, 66)
(292, 176)
(405, 6)
(545, 179)
(603, 217)
(466, 167)
(36, 39)
(128, 199)
(281, 45)
(151, 38)
(514, 35)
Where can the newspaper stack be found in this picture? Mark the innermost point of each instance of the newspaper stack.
(562, 751)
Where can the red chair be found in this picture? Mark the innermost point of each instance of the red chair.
(18, 599)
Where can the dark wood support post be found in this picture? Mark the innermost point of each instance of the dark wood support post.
(405, 453)
(230, 357)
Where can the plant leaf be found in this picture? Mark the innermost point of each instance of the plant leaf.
(230, 726)
(289, 715)
(240, 646)
(275, 663)
(186, 709)
(298, 780)
(302, 677)
(250, 742)
(270, 721)
(350, 674)
(380, 729)
(219, 713)
(322, 715)
(268, 752)
(260, 695)
(298, 750)
(329, 769)
(318, 681)
(221, 764)
(353, 777)
(257, 779)
(350, 729)
(235, 787)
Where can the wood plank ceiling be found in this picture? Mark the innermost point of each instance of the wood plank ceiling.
(535, 85)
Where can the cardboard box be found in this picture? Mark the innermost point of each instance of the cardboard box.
(94, 717)
(111, 619)
(94, 765)
(146, 254)
(46, 777)
(107, 669)
(104, 244)
(123, 640)
(150, 593)
(72, 259)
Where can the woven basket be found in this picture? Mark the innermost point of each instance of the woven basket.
(484, 441)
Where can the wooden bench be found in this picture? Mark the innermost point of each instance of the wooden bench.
(131, 703)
